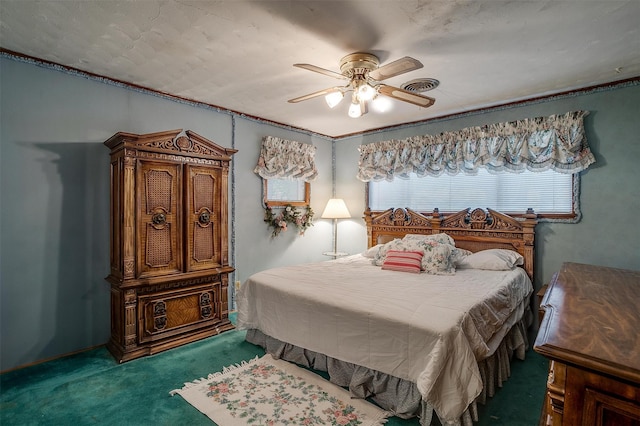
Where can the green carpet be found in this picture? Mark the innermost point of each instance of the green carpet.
(92, 388)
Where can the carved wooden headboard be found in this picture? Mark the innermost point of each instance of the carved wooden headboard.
(473, 230)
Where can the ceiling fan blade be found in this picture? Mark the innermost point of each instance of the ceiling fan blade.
(315, 94)
(406, 96)
(394, 68)
(321, 71)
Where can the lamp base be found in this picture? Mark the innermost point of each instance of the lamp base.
(335, 254)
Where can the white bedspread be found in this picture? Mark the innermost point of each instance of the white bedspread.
(428, 329)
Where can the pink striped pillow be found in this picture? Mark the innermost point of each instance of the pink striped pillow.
(403, 261)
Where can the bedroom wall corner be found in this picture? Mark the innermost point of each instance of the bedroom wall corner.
(54, 194)
(255, 248)
(352, 234)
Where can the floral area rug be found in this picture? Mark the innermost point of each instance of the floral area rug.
(268, 391)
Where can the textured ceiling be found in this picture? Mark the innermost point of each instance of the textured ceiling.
(238, 55)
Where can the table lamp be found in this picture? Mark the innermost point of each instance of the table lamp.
(335, 209)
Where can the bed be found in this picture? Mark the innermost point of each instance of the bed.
(418, 344)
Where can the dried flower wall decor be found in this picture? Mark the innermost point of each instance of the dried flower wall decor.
(301, 218)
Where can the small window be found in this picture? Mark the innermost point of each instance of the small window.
(549, 193)
(280, 192)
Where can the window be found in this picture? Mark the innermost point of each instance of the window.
(549, 193)
(280, 192)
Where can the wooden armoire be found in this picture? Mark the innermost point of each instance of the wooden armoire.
(169, 241)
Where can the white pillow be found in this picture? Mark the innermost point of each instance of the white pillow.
(371, 252)
(459, 254)
(492, 259)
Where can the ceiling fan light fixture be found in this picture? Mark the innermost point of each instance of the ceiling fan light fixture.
(366, 92)
(364, 75)
(333, 98)
(381, 104)
(354, 110)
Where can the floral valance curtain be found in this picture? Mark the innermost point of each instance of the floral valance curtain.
(283, 159)
(556, 142)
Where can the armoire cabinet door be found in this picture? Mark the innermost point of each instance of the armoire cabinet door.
(159, 221)
(202, 210)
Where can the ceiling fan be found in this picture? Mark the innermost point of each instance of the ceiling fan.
(363, 76)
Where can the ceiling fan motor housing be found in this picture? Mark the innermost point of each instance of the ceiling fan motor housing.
(358, 64)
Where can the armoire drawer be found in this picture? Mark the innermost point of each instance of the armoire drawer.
(165, 314)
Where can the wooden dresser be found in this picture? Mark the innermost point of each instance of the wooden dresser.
(591, 334)
(169, 241)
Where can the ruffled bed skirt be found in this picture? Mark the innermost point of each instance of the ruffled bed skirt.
(401, 397)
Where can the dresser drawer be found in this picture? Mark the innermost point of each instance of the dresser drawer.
(168, 313)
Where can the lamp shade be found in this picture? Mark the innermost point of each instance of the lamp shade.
(333, 98)
(336, 209)
(366, 92)
(381, 104)
(354, 110)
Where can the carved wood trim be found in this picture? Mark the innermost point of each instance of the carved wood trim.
(162, 294)
(173, 157)
(148, 289)
(128, 206)
(476, 229)
(180, 140)
(130, 317)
